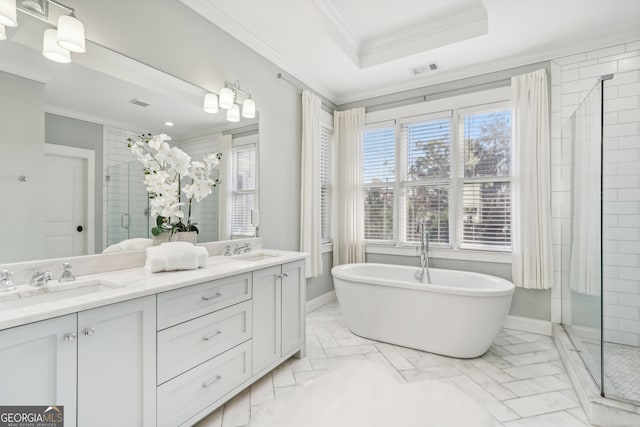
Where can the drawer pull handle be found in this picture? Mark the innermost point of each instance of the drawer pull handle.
(70, 337)
(283, 275)
(215, 334)
(206, 298)
(215, 380)
(88, 331)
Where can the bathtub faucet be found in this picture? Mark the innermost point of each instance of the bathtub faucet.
(423, 252)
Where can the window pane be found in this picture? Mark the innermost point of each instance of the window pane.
(245, 169)
(431, 204)
(428, 146)
(487, 214)
(378, 213)
(243, 203)
(378, 156)
(487, 144)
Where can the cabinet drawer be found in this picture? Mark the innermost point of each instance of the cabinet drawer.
(184, 396)
(188, 344)
(187, 303)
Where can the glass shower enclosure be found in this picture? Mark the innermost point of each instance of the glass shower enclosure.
(601, 234)
(127, 203)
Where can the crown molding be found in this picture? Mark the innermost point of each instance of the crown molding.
(444, 76)
(339, 30)
(462, 24)
(222, 20)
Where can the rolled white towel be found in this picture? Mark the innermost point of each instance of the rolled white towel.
(136, 244)
(175, 256)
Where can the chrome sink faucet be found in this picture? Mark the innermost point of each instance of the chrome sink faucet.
(242, 249)
(40, 278)
(67, 275)
(5, 282)
(423, 252)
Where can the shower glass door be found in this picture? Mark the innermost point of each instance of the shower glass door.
(127, 203)
(581, 223)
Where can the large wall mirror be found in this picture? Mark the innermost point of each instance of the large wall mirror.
(70, 186)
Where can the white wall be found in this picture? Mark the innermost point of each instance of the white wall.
(21, 137)
(572, 78)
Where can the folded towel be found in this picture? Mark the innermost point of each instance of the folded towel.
(136, 244)
(175, 256)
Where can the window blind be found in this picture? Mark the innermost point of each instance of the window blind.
(379, 154)
(379, 147)
(428, 146)
(244, 188)
(326, 180)
(431, 204)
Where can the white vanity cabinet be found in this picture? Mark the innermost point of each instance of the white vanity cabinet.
(38, 365)
(116, 364)
(100, 358)
(278, 313)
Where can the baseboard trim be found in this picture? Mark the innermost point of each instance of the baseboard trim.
(526, 324)
(317, 302)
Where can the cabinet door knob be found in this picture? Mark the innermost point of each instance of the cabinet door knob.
(88, 331)
(280, 276)
(214, 380)
(70, 337)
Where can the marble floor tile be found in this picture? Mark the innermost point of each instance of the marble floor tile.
(495, 407)
(532, 371)
(540, 404)
(397, 360)
(237, 413)
(554, 419)
(536, 385)
(531, 358)
(262, 391)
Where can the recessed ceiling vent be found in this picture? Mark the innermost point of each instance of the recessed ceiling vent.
(426, 68)
(139, 103)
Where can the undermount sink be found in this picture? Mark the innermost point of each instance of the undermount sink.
(256, 256)
(25, 296)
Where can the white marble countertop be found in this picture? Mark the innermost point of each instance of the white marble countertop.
(134, 283)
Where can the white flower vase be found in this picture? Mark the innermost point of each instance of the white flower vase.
(185, 236)
(161, 238)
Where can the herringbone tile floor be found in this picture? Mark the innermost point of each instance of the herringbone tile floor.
(520, 381)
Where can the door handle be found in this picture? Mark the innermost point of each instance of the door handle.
(124, 220)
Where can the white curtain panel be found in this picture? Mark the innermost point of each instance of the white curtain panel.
(532, 266)
(225, 192)
(310, 221)
(348, 244)
(584, 264)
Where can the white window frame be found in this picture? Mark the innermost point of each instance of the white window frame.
(416, 112)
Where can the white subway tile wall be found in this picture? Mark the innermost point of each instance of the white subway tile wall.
(205, 213)
(572, 77)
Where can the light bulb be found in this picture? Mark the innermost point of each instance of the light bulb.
(8, 13)
(249, 108)
(51, 50)
(233, 114)
(71, 34)
(211, 103)
(226, 98)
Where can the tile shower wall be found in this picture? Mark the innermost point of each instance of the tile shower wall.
(572, 77)
(206, 212)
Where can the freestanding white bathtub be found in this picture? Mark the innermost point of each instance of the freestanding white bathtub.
(458, 315)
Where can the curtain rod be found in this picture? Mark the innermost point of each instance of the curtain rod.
(326, 104)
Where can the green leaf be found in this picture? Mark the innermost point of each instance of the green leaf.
(159, 221)
(155, 231)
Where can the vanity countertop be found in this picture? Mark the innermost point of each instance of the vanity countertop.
(138, 282)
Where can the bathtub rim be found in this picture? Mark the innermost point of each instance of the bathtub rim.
(507, 288)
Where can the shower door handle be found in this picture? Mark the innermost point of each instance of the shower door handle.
(124, 220)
